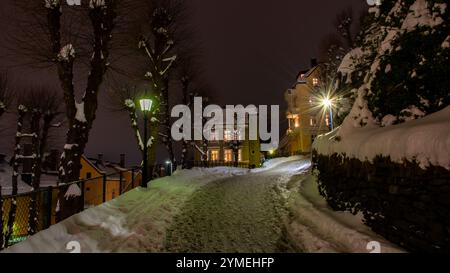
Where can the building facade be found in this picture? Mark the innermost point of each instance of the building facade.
(306, 118)
(232, 146)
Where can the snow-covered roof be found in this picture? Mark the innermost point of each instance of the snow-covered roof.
(47, 179)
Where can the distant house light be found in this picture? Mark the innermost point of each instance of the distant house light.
(297, 122)
(315, 81)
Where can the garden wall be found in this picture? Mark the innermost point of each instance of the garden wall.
(407, 205)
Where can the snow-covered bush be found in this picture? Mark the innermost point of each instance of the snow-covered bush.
(401, 63)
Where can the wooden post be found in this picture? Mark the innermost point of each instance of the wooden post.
(83, 186)
(104, 188)
(120, 183)
(49, 206)
(1, 219)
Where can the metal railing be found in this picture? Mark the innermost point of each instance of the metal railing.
(15, 224)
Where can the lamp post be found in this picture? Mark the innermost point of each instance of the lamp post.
(328, 103)
(169, 167)
(146, 106)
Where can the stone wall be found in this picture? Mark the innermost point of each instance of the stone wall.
(407, 205)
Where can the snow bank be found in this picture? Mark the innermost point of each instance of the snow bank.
(314, 227)
(134, 222)
(426, 140)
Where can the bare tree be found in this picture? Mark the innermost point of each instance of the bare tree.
(5, 95)
(158, 46)
(45, 103)
(332, 51)
(190, 75)
(344, 23)
(80, 115)
(126, 99)
(15, 161)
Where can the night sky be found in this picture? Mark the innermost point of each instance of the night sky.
(252, 51)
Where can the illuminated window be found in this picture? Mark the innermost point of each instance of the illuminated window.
(238, 135)
(228, 135)
(240, 155)
(214, 155)
(297, 122)
(228, 155)
(312, 121)
(315, 81)
(327, 120)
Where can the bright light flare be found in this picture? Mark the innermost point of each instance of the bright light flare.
(327, 102)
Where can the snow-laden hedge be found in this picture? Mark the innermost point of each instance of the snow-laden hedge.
(425, 141)
(401, 61)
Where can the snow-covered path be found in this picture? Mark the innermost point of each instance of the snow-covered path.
(237, 214)
(272, 209)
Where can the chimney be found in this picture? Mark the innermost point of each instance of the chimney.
(100, 158)
(122, 160)
(313, 62)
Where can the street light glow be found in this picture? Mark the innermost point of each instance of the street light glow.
(146, 105)
(327, 102)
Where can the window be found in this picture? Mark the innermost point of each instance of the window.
(214, 135)
(315, 81)
(88, 175)
(327, 120)
(214, 155)
(228, 155)
(240, 155)
(297, 122)
(312, 121)
(228, 135)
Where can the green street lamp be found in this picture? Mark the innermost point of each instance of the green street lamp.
(146, 107)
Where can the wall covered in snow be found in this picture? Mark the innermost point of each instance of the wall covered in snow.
(406, 204)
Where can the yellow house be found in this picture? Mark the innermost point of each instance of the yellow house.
(220, 150)
(94, 173)
(305, 119)
(100, 175)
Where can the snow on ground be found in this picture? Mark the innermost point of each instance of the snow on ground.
(276, 209)
(427, 140)
(133, 222)
(314, 227)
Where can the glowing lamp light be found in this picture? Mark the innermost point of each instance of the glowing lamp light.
(326, 102)
(146, 105)
(271, 152)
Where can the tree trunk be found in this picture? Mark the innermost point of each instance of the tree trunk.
(80, 116)
(166, 124)
(36, 169)
(2, 245)
(22, 110)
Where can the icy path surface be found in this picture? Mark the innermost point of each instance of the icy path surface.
(272, 209)
(277, 210)
(238, 214)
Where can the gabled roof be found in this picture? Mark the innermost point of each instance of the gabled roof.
(91, 163)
